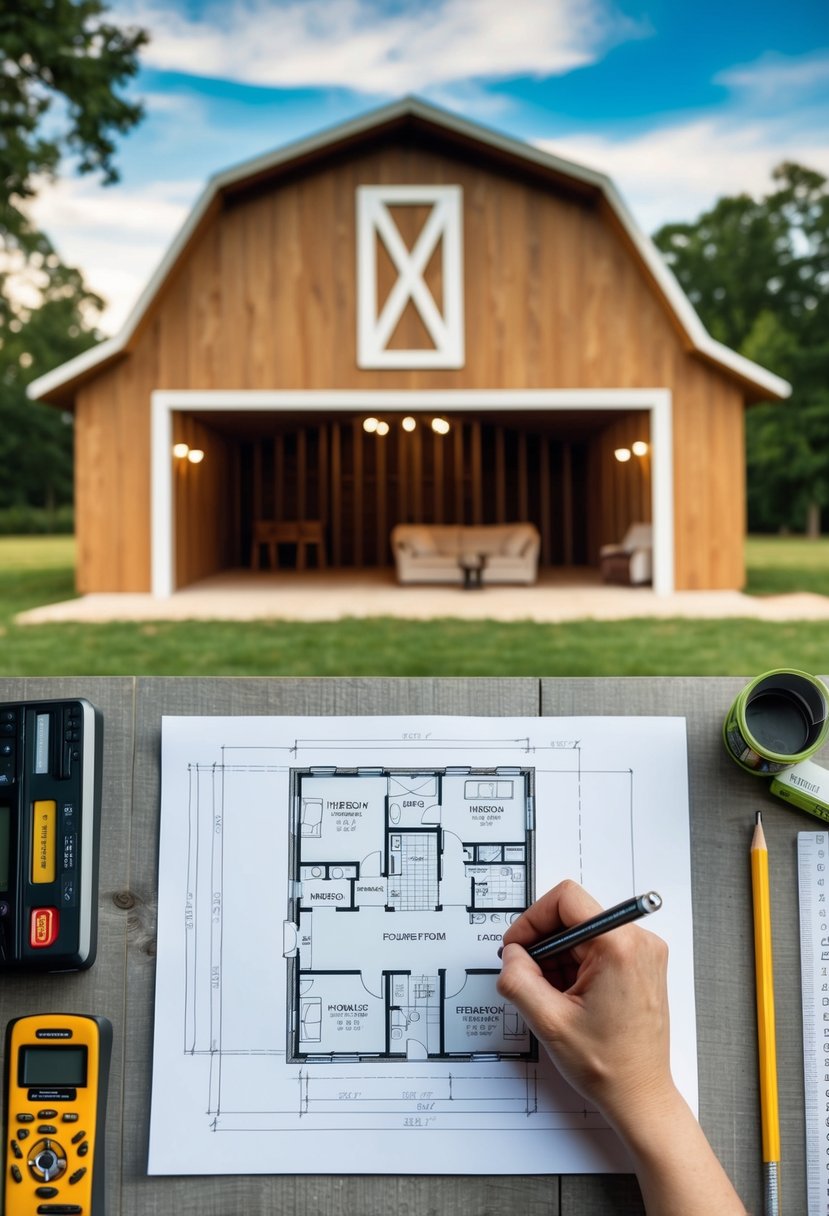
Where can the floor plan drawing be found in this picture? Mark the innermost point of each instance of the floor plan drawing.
(390, 872)
(332, 896)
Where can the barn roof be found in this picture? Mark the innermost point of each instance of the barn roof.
(412, 113)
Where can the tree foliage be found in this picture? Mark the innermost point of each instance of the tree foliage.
(757, 271)
(36, 440)
(62, 65)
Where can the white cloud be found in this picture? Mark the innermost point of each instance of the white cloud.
(774, 76)
(115, 236)
(676, 173)
(372, 48)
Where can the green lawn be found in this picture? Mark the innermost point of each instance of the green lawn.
(777, 564)
(37, 570)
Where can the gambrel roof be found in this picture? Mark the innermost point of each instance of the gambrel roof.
(406, 115)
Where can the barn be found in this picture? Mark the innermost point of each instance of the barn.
(406, 319)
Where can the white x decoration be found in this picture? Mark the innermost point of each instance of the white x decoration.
(374, 222)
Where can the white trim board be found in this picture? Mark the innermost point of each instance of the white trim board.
(165, 403)
(443, 229)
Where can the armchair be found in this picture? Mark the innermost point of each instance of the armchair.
(631, 561)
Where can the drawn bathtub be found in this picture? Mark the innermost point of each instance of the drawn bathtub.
(311, 820)
(310, 1019)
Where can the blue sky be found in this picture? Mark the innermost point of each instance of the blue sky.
(678, 102)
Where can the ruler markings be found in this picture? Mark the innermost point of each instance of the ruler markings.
(812, 863)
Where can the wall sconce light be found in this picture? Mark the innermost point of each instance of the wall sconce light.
(370, 425)
(382, 428)
(640, 448)
(408, 423)
(180, 450)
(622, 455)
(440, 426)
(195, 455)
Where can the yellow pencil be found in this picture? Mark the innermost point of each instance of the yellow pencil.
(764, 976)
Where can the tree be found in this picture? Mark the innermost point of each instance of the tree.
(36, 440)
(757, 271)
(62, 63)
(61, 66)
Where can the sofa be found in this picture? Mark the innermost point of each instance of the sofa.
(629, 563)
(432, 553)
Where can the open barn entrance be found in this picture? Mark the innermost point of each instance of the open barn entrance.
(305, 488)
(357, 485)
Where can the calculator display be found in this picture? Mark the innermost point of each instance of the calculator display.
(53, 1066)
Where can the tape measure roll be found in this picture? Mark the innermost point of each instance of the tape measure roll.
(779, 719)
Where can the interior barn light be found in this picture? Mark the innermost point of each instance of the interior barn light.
(440, 426)
(370, 425)
(180, 450)
(622, 454)
(195, 455)
(408, 423)
(382, 428)
(640, 448)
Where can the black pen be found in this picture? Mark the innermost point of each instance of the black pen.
(612, 918)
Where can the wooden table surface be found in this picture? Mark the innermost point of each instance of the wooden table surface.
(723, 800)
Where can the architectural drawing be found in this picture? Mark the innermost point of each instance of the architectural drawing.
(332, 896)
(390, 871)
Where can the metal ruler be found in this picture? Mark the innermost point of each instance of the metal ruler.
(813, 889)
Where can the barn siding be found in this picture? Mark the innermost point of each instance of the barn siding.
(265, 298)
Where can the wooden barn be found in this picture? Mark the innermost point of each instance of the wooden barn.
(406, 319)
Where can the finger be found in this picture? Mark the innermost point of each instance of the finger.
(523, 984)
(565, 905)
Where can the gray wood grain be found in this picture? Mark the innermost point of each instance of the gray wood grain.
(311, 1196)
(722, 798)
(101, 989)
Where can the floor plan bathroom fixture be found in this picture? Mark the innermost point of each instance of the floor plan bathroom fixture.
(402, 883)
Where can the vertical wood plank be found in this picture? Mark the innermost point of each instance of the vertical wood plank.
(438, 449)
(523, 482)
(237, 555)
(301, 473)
(500, 477)
(279, 476)
(403, 459)
(357, 493)
(459, 471)
(567, 514)
(322, 473)
(416, 486)
(336, 496)
(545, 499)
(258, 505)
(477, 482)
(381, 534)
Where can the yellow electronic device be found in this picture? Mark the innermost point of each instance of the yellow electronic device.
(57, 1069)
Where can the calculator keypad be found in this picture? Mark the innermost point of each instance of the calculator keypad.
(54, 1161)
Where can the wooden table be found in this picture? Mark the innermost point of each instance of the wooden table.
(722, 799)
(299, 532)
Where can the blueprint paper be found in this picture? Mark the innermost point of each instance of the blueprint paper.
(332, 895)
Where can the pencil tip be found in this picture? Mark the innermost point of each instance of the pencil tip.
(758, 816)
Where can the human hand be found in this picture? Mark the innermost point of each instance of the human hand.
(600, 1010)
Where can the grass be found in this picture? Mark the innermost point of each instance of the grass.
(37, 570)
(778, 564)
